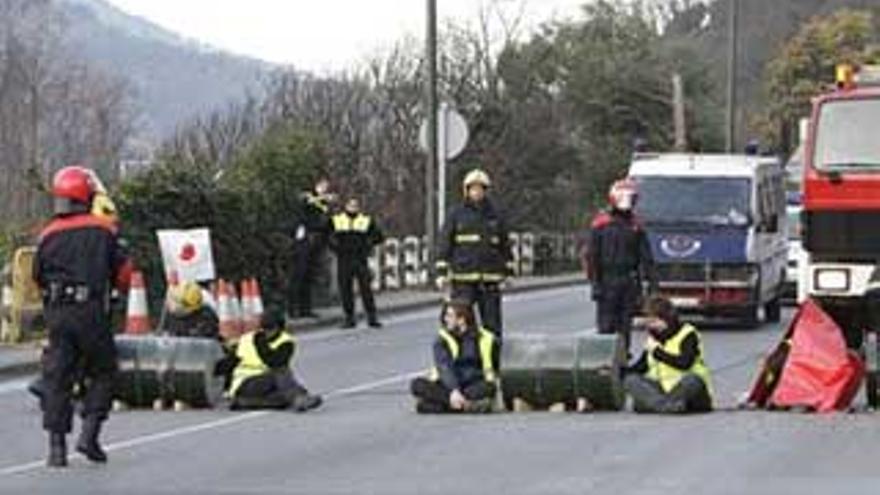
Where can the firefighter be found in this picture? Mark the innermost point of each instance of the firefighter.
(78, 259)
(619, 259)
(310, 241)
(474, 252)
(261, 368)
(464, 378)
(355, 234)
(671, 375)
(191, 312)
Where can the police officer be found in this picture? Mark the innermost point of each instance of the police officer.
(619, 258)
(671, 376)
(77, 261)
(310, 241)
(354, 236)
(474, 253)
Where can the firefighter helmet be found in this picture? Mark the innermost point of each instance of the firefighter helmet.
(476, 176)
(74, 183)
(623, 195)
(187, 297)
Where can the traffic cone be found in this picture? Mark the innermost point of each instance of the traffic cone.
(258, 300)
(249, 321)
(228, 327)
(137, 320)
(236, 310)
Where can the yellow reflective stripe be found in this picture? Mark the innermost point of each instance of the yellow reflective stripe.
(478, 277)
(487, 344)
(441, 264)
(468, 238)
(450, 342)
(344, 223)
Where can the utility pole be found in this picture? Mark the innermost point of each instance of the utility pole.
(433, 145)
(732, 56)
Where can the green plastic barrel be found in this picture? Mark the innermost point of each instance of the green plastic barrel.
(191, 375)
(143, 363)
(548, 369)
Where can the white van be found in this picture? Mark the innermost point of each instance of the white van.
(717, 227)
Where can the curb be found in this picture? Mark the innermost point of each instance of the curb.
(304, 326)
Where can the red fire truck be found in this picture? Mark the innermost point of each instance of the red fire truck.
(841, 202)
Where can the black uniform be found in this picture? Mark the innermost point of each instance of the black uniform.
(619, 259)
(77, 260)
(474, 252)
(459, 364)
(353, 239)
(310, 240)
(201, 323)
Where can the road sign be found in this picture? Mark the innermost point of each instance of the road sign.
(452, 137)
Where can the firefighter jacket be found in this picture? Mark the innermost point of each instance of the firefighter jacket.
(474, 245)
(619, 250)
(78, 258)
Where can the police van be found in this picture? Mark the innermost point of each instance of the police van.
(717, 228)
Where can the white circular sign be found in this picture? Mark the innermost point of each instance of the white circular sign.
(452, 133)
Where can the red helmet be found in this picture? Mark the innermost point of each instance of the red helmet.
(74, 183)
(623, 195)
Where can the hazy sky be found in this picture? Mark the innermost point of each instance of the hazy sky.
(314, 34)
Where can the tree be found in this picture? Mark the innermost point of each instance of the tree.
(805, 66)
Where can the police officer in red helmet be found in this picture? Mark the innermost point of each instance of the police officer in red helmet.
(79, 260)
(619, 259)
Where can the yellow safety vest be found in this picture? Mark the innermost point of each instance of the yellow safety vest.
(486, 343)
(342, 222)
(249, 362)
(317, 201)
(669, 376)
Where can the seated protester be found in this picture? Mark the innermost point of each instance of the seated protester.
(671, 375)
(465, 366)
(191, 312)
(261, 375)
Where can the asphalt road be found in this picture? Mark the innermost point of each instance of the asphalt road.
(367, 439)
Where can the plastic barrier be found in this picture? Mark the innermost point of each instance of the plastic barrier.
(515, 240)
(153, 368)
(375, 264)
(544, 370)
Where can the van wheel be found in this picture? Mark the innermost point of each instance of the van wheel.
(773, 310)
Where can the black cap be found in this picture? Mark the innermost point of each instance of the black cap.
(273, 318)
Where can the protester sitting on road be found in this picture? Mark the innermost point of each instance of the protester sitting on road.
(671, 375)
(191, 312)
(261, 369)
(464, 378)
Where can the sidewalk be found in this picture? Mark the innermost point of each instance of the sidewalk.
(20, 359)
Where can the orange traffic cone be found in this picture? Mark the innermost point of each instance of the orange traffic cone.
(258, 300)
(228, 325)
(236, 309)
(249, 320)
(137, 319)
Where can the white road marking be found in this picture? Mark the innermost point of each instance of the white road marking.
(212, 425)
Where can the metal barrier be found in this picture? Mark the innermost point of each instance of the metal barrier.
(391, 269)
(411, 261)
(375, 265)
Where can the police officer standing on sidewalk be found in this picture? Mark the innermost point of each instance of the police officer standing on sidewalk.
(619, 259)
(310, 241)
(354, 236)
(77, 261)
(474, 252)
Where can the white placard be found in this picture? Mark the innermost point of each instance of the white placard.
(188, 253)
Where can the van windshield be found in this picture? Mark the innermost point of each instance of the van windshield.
(720, 201)
(846, 138)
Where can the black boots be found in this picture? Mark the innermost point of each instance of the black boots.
(57, 450)
(88, 441)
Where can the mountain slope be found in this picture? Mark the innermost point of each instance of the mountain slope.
(174, 78)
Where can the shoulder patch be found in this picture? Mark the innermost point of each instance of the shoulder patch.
(601, 220)
(77, 222)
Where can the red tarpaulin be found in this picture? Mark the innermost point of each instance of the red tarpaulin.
(817, 369)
